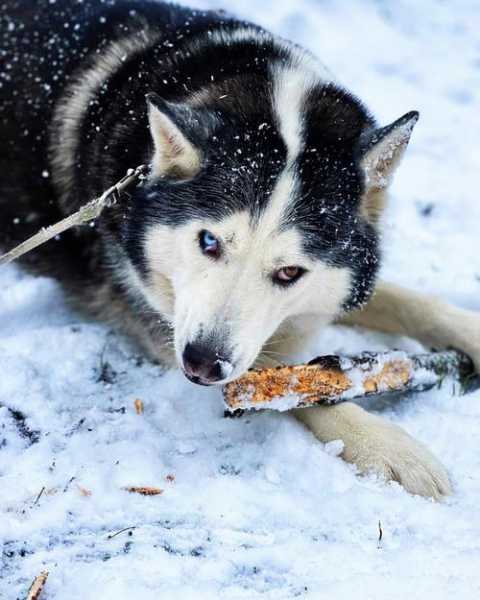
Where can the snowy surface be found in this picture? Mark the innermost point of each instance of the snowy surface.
(258, 508)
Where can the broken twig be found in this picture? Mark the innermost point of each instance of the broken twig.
(144, 490)
(139, 407)
(85, 214)
(37, 586)
(39, 495)
(110, 536)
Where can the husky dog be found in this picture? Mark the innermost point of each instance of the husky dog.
(261, 213)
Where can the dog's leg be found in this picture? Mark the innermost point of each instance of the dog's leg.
(394, 309)
(375, 445)
(372, 443)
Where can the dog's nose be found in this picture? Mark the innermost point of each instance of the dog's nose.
(202, 364)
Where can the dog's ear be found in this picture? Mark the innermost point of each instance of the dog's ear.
(382, 149)
(380, 152)
(175, 130)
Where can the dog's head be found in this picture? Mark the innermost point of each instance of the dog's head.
(259, 210)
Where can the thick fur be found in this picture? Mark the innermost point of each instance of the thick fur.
(248, 137)
(376, 446)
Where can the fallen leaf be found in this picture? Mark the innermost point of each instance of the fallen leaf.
(144, 490)
(83, 491)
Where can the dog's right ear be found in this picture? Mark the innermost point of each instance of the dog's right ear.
(175, 129)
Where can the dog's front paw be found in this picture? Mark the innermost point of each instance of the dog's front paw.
(376, 445)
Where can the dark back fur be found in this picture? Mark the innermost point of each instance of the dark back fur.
(43, 46)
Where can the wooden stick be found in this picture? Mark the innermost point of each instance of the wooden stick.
(37, 586)
(333, 379)
(85, 214)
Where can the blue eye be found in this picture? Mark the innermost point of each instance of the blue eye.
(209, 244)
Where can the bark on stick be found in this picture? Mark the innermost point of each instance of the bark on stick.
(333, 379)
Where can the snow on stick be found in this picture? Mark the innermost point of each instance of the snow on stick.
(85, 214)
(333, 379)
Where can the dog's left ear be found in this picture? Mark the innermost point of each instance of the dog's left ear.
(176, 130)
(380, 151)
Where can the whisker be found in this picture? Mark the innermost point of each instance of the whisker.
(273, 353)
(279, 339)
(267, 361)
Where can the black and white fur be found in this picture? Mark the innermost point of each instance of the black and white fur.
(249, 139)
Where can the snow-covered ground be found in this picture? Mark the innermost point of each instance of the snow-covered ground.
(257, 507)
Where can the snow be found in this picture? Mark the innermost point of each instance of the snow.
(258, 508)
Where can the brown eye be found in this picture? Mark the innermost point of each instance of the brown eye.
(288, 275)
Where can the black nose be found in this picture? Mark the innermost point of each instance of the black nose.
(202, 364)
